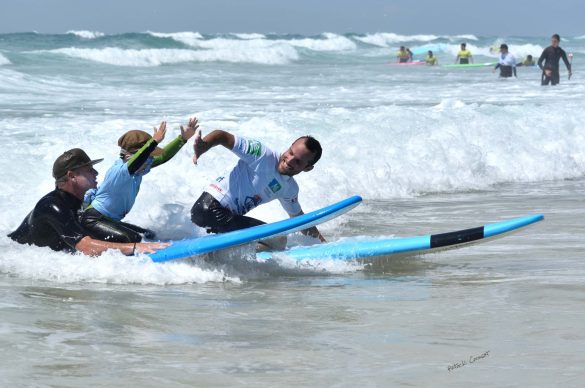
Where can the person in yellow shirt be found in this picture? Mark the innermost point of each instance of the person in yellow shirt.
(464, 56)
(403, 55)
(527, 62)
(431, 60)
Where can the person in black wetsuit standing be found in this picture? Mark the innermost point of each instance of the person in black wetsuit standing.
(54, 221)
(549, 62)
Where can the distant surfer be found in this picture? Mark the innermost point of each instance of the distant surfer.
(549, 62)
(431, 60)
(410, 55)
(528, 61)
(260, 176)
(109, 204)
(464, 56)
(506, 62)
(403, 55)
(53, 222)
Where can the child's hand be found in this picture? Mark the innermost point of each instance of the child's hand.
(159, 134)
(188, 133)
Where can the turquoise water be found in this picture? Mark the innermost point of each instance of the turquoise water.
(430, 149)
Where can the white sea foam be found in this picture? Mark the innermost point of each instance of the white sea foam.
(86, 34)
(449, 147)
(187, 37)
(272, 55)
(4, 60)
(36, 263)
(388, 39)
(461, 37)
(245, 42)
(331, 42)
(249, 36)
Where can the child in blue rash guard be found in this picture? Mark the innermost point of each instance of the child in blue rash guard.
(109, 204)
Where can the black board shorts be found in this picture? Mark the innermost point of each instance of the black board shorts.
(208, 213)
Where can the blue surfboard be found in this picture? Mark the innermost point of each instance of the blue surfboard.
(434, 47)
(191, 247)
(360, 249)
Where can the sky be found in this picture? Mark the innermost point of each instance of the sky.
(308, 17)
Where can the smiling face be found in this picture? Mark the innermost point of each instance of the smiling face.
(296, 159)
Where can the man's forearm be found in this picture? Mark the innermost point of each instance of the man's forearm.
(219, 137)
(92, 247)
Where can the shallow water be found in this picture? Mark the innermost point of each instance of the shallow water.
(409, 322)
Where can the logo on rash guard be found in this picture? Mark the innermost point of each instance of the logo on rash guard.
(254, 148)
(251, 202)
(274, 185)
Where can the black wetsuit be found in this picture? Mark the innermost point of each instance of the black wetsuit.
(551, 57)
(506, 71)
(103, 228)
(52, 223)
(208, 213)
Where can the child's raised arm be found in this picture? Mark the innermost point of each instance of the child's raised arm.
(187, 133)
(159, 134)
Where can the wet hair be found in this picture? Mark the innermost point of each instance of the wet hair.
(401, 47)
(430, 52)
(557, 37)
(312, 145)
(464, 44)
(529, 56)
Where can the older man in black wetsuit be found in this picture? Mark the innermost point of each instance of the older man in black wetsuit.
(54, 221)
(549, 62)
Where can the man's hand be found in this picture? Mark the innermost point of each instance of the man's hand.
(213, 138)
(188, 133)
(199, 147)
(150, 247)
(159, 134)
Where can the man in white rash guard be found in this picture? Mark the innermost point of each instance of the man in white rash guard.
(260, 176)
(506, 62)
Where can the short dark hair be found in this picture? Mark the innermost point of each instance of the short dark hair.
(557, 37)
(464, 44)
(312, 145)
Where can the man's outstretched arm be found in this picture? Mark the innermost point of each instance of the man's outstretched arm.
(214, 138)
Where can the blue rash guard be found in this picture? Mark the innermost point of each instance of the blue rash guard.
(116, 195)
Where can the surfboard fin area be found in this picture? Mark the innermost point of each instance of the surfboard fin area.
(358, 249)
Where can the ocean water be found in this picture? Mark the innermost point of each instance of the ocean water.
(431, 149)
